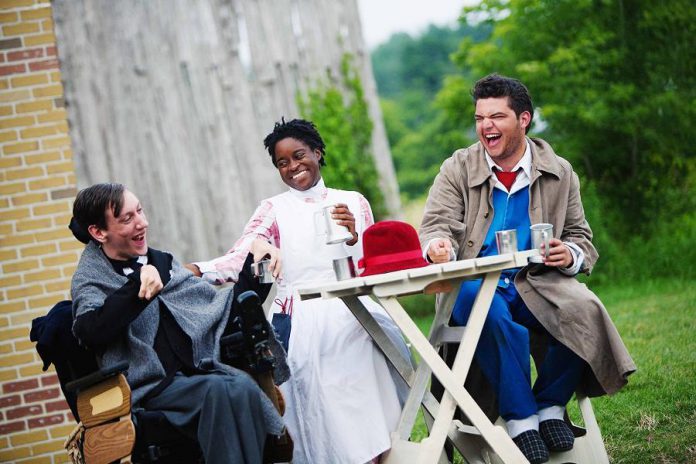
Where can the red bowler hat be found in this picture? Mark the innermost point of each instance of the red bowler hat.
(390, 246)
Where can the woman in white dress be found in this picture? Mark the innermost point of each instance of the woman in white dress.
(342, 402)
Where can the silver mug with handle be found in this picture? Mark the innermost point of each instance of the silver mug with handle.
(334, 232)
(541, 234)
(262, 271)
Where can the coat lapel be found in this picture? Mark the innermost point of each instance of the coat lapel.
(544, 162)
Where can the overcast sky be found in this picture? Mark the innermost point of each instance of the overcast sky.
(382, 18)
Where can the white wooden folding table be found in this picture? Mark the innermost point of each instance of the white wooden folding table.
(385, 288)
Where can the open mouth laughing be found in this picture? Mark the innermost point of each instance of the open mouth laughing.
(139, 240)
(492, 139)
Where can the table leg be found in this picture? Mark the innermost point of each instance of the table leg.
(418, 394)
(496, 437)
(430, 404)
(414, 401)
(416, 380)
(381, 339)
(465, 355)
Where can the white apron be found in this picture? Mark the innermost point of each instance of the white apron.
(341, 400)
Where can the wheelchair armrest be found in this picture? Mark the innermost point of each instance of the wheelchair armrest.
(95, 377)
(104, 408)
(104, 401)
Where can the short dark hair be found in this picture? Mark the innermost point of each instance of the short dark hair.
(299, 129)
(496, 86)
(91, 204)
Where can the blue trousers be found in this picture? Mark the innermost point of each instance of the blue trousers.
(503, 354)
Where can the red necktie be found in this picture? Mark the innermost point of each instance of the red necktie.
(506, 178)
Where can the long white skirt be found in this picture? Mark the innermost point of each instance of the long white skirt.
(342, 402)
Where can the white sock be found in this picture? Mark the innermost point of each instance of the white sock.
(552, 412)
(518, 426)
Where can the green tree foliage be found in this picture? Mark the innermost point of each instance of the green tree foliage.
(406, 64)
(340, 112)
(614, 86)
(409, 72)
(615, 83)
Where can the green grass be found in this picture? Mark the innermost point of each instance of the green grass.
(653, 418)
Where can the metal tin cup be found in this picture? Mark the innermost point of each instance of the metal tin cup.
(344, 268)
(334, 232)
(541, 234)
(506, 241)
(262, 271)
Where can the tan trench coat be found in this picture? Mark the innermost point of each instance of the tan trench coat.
(459, 207)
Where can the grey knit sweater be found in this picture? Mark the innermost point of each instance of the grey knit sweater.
(199, 309)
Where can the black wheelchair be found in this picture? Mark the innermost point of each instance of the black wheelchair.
(99, 399)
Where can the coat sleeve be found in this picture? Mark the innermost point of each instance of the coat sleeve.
(576, 228)
(103, 325)
(444, 209)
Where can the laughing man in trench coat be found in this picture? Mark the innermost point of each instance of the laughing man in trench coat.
(509, 181)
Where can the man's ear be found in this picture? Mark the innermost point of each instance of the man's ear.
(97, 233)
(525, 119)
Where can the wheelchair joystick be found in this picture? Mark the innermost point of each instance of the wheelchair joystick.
(248, 348)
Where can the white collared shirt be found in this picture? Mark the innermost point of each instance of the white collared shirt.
(523, 178)
(128, 270)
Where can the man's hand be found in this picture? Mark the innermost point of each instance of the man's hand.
(441, 286)
(343, 217)
(559, 254)
(440, 250)
(260, 248)
(150, 282)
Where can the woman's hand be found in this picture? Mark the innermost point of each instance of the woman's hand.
(260, 248)
(150, 282)
(193, 268)
(343, 217)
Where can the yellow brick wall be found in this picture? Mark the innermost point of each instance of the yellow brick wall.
(37, 252)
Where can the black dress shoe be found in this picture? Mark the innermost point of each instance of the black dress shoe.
(556, 434)
(532, 446)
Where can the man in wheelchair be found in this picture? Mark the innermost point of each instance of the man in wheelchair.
(137, 304)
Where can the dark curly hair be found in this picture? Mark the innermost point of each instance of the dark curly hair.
(299, 129)
(496, 86)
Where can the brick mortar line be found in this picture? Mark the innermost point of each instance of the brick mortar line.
(41, 151)
(32, 86)
(46, 292)
(39, 190)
